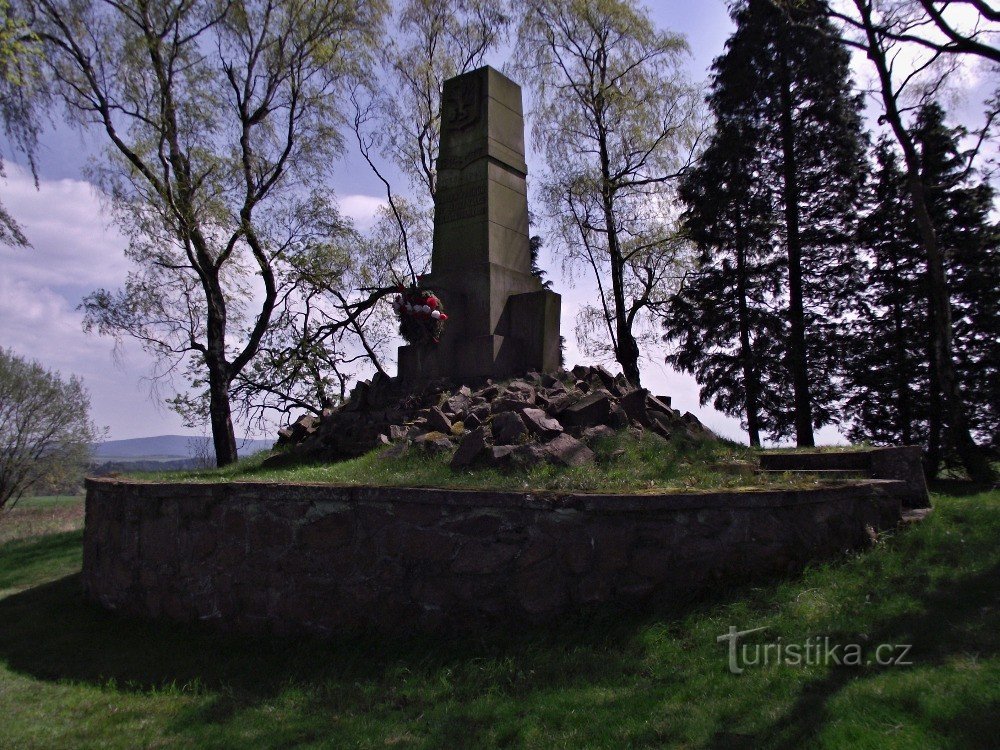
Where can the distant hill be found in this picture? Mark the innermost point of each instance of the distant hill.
(167, 448)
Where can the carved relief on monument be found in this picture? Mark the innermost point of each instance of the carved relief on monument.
(462, 104)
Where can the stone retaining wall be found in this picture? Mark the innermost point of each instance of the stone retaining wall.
(303, 558)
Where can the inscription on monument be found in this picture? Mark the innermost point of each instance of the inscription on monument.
(460, 202)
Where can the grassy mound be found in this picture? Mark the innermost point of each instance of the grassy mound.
(625, 463)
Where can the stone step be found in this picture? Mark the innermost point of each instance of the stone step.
(824, 473)
(902, 462)
(840, 461)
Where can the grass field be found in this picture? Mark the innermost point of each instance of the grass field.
(72, 675)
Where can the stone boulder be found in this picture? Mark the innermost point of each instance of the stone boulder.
(538, 417)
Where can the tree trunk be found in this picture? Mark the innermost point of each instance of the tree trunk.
(932, 457)
(975, 461)
(626, 348)
(905, 412)
(750, 385)
(220, 417)
(219, 411)
(797, 358)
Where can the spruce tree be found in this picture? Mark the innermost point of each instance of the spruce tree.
(785, 167)
(959, 207)
(886, 355)
(895, 394)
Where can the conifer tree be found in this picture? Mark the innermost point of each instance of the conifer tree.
(721, 319)
(886, 357)
(896, 395)
(960, 209)
(785, 166)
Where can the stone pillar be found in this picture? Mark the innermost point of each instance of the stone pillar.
(501, 321)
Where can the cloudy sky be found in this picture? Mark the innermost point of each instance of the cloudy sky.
(75, 250)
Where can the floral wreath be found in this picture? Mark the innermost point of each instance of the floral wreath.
(421, 315)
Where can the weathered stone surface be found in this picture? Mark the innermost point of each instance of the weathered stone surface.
(541, 424)
(481, 258)
(439, 445)
(653, 403)
(499, 455)
(438, 421)
(471, 447)
(483, 557)
(597, 432)
(594, 408)
(634, 405)
(559, 402)
(568, 451)
(903, 463)
(514, 399)
(428, 437)
(528, 455)
(395, 451)
(296, 559)
(508, 428)
(660, 425)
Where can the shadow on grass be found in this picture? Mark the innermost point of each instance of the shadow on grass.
(958, 619)
(52, 632)
(956, 487)
(24, 561)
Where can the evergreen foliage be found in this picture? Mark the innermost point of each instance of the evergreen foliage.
(895, 397)
(771, 207)
(887, 357)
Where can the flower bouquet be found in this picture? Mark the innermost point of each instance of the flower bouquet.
(421, 315)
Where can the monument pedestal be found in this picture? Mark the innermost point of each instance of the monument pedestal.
(501, 320)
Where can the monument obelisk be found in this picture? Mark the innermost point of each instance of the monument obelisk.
(501, 321)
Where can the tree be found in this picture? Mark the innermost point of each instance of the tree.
(222, 120)
(895, 397)
(617, 123)
(960, 208)
(927, 23)
(20, 97)
(434, 40)
(722, 320)
(869, 29)
(334, 325)
(45, 427)
(771, 207)
(886, 360)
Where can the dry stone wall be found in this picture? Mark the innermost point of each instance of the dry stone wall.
(258, 557)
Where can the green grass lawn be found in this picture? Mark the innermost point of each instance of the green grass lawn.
(72, 675)
(623, 464)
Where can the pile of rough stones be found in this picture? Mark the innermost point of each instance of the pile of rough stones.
(539, 417)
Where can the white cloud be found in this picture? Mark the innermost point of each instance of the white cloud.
(71, 241)
(40, 289)
(362, 209)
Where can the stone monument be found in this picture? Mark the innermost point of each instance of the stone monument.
(501, 321)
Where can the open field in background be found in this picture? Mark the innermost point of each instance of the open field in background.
(72, 675)
(38, 516)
